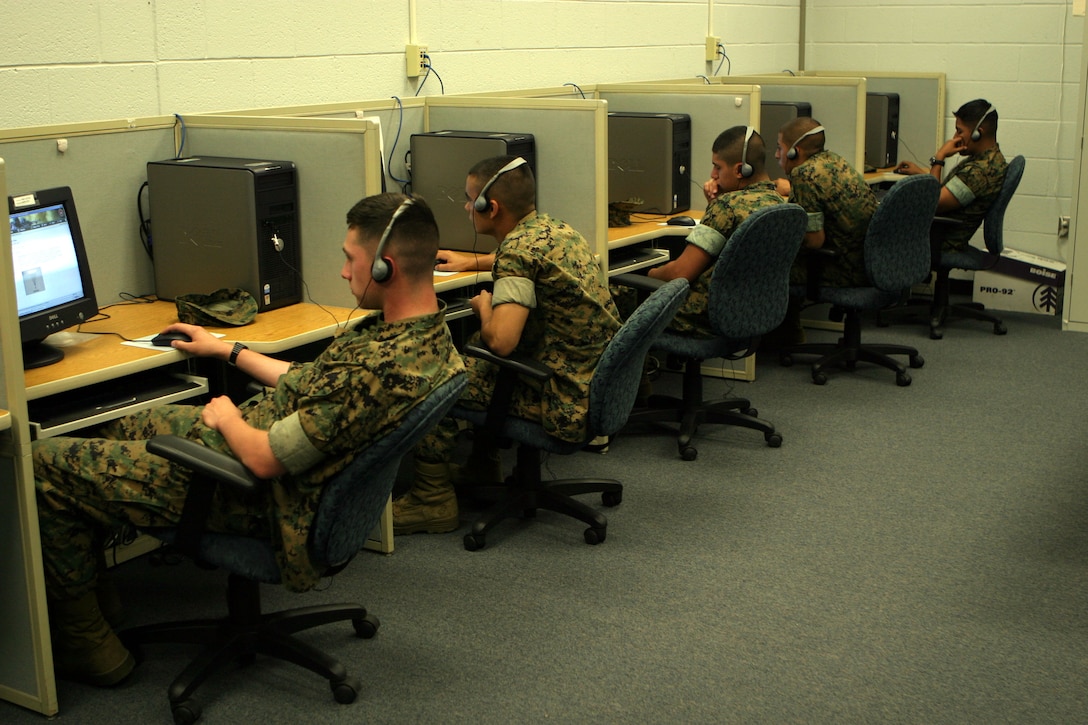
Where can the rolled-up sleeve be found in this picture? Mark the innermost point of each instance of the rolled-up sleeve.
(291, 446)
(707, 239)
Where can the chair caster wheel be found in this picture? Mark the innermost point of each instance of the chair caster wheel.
(474, 542)
(752, 412)
(774, 440)
(610, 498)
(185, 712)
(1000, 329)
(917, 361)
(366, 627)
(902, 379)
(936, 333)
(344, 692)
(689, 453)
(819, 378)
(594, 536)
(785, 360)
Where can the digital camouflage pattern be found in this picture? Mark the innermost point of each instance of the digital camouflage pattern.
(723, 215)
(354, 392)
(838, 201)
(568, 330)
(983, 174)
(227, 306)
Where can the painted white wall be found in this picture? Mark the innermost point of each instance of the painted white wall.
(1024, 57)
(80, 60)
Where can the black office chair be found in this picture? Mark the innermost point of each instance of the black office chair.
(896, 257)
(749, 292)
(612, 392)
(350, 506)
(939, 310)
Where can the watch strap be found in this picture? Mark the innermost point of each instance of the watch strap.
(235, 352)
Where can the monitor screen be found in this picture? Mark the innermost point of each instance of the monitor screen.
(53, 288)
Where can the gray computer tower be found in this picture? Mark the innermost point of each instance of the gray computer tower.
(440, 164)
(881, 130)
(649, 158)
(773, 115)
(226, 222)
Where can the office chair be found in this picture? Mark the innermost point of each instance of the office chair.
(938, 311)
(748, 295)
(896, 257)
(350, 506)
(612, 392)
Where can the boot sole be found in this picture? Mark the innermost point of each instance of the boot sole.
(113, 677)
(427, 527)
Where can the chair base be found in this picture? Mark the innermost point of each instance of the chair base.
(939, 310)
(243, 634)
(849, 351)
(691, 411)
(525, 493)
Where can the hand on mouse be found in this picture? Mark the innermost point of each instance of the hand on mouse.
(909, 168)
(202, 343)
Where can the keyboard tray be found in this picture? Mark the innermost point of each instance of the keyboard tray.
(101, 402)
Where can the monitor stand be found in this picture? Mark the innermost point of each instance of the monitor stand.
(38, 354)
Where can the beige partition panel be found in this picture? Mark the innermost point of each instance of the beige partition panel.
(338, 163)
(26, 663)
(838, 103)
(712, 108)
(105, 164)
(922, 99)
(571, 150)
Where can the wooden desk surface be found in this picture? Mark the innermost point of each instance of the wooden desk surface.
(882, 175)
(5, 419)
(644, 231)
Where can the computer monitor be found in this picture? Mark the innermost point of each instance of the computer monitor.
(53, 288)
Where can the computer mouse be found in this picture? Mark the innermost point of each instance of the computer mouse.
(163, 339)
(681, 221)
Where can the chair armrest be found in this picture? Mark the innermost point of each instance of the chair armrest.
(510, 368)
(210, 468)
(518, 364)
(639, 282)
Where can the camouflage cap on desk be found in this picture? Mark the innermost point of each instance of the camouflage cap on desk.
(228, 306)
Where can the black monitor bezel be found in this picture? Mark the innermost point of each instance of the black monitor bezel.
(36, 326)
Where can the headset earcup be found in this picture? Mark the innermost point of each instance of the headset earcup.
(381, 270)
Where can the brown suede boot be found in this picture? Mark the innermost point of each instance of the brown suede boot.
(85, 649)
(431, 505)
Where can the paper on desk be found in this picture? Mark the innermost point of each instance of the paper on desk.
(145, 342)
(438, 273)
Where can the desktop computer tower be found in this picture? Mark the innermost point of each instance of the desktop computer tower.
(226, 222)
(649, 158)
(440, 164)
(881, 130)
(773, 115)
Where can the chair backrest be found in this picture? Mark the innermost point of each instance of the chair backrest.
(353, 500)
(897, 241)
(615, 380)
(750, 284)
(994, 223)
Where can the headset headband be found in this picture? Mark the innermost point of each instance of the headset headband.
(792, 152)
(381, 270)
(746, 169)
(481, 202)
(976, 134)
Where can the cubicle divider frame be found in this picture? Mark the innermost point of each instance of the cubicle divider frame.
(26, 669)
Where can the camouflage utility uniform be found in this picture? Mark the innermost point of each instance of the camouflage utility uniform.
(721, 219)
(317, 416)
(975, 183)
(545, 265)
(839, 202)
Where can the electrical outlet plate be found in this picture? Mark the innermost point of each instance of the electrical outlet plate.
(414, 60)
(712, 42)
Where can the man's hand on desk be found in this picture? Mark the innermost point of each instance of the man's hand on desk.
(448, 260)
(203, 343)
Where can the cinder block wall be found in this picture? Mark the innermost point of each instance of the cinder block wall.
(1024, 57)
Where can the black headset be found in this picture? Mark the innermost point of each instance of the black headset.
(746, 169)
(791, 154)
(382, 269)
(482, 202)
(976, 134)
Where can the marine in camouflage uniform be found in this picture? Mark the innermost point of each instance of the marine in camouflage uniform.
(721, 219)
(354, 392)
(545, 265)
(976, 183)
(839, 202)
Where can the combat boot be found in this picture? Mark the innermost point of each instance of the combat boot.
(431, 505)
(85, 649)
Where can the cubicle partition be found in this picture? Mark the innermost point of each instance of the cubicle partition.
(571, 138)
(922, 99)
(26, 664)
(337, 162)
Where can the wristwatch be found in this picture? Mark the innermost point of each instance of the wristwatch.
(934, 161)
(235, 351)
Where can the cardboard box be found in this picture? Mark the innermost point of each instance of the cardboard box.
(1022, 282)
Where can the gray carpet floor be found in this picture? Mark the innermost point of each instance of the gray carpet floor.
(909, 555)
